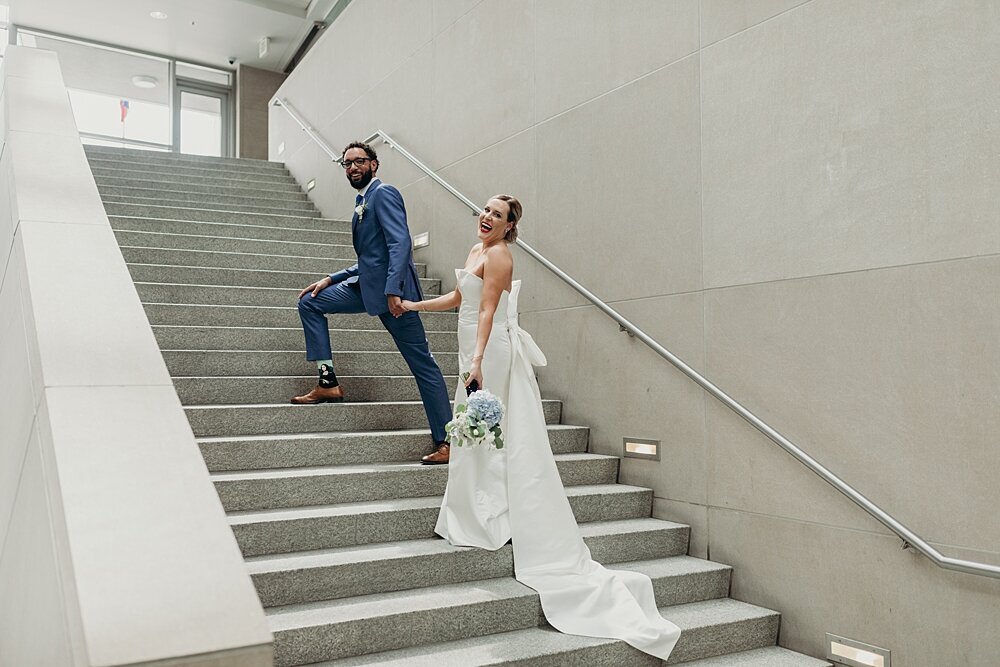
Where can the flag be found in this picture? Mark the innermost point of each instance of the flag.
(123, 105)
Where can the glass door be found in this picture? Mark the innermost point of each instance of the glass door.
(201, 119)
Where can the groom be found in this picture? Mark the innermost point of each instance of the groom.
(383, 276)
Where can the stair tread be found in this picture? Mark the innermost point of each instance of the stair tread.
(429, 546)
(347, 509)
(533, 643)
(346, 434)
(354, 469)
(227, 270)
(232, 224)
(228, 238)
(769, 656)
(440, 598)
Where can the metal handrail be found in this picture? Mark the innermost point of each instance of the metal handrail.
(910, 539)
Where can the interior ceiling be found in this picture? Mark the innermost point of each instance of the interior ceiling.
(208, 32)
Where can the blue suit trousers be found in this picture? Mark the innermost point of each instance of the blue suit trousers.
(407, 332)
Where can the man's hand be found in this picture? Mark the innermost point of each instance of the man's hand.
(316, 287)
(396, 305)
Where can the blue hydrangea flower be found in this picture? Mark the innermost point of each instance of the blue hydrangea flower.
(485, 407)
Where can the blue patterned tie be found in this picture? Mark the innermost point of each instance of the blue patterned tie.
(359, 200)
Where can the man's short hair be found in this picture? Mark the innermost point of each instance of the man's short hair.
(369, 151)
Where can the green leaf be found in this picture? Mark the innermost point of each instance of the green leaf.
(499, 442)
(460, 408)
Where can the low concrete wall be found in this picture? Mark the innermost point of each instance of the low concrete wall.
(114, 548)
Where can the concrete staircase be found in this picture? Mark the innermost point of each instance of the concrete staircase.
(332, 514)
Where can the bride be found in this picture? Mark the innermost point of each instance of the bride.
(516, 493)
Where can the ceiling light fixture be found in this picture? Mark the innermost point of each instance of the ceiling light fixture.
(144, 81)
(159, 16)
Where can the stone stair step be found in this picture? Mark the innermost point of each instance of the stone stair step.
(242, 363)
(350, 627)
(269, 316)
(141, 155)
(210, 275)
(308, 233)
(329, 449)
(223, 420)
(220, 170)
(157, 214)
(329, 526)
(288, 201)
(253, 390)
(739, 623)
(230, 244)
(770, 656)
(330, 485)
(236, 295)
(301, 209)
(172, 337)
(171, 174)
(126, 179)
(317, 267)
(331, 574)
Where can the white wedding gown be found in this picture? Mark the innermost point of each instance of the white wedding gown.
(516, 493)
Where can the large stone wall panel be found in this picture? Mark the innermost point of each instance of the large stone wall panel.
(482, 87)
(860, 585)
(621, 173)
(888, 377)
(586, 50)
(851, 135)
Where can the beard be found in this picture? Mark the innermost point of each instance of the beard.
(366, 178)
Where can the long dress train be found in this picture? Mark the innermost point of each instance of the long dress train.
(516, 493)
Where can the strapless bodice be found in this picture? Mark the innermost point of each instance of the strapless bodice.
(471, 287)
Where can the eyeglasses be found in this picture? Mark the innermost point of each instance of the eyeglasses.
(357, 162)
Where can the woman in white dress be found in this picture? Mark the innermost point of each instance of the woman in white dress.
(515, 493)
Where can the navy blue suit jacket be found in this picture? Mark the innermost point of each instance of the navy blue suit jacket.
(385, 253)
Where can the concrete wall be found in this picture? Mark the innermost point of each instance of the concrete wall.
(797, 197)
(254, 88)
(114, 547)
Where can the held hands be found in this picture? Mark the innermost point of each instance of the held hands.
(396, 305)
(410, 306)
(316, 287)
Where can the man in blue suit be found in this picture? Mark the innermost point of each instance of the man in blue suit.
(382, 278)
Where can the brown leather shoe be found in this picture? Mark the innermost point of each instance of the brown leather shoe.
(321, 395)
(439, 455)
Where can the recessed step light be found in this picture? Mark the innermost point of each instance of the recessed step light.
(159, 16)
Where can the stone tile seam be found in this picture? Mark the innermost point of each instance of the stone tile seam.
(892, 267)
(17, 485)
(751, 27)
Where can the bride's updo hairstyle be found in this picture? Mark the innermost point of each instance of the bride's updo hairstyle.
(513, 216)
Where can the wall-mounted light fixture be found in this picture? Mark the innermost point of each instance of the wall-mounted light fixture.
(310, 185)
(640, 448)
(281, 148)
(422, 240)
(853, 653)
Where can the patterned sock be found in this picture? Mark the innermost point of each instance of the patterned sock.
(327, 378)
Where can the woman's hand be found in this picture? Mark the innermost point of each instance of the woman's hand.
(410, 306)
(475, 373)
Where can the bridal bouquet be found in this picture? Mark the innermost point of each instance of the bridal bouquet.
(477, 422)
